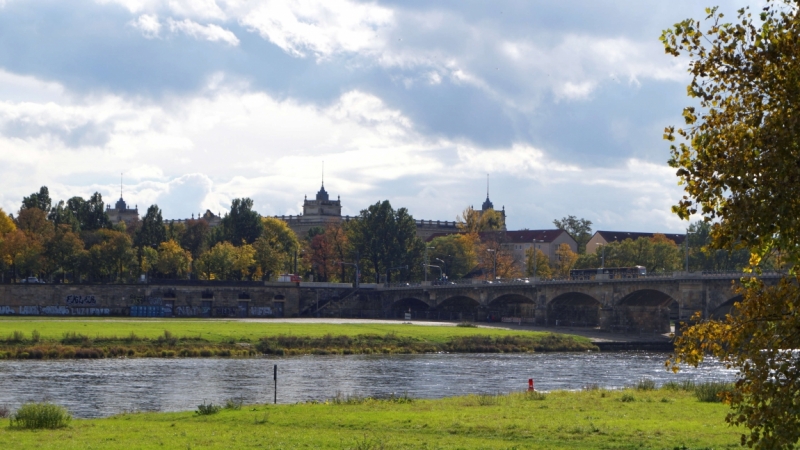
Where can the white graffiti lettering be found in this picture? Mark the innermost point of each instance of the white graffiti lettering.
(81, 300)
(260, 311)
(29, 310)
(55, 310)
(187, 311)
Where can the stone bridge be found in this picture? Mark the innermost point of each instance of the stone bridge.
(646, 304)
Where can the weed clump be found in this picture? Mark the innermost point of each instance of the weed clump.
(535, 395)
(467, 325)
(34, 416)
(712, 391)
(207, 409)
(645, 384)
(627, 398)
(234, 403)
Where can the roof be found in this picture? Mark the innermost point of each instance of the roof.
(619, 236)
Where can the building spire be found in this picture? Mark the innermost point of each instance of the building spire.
(120, 185)
(323, 173)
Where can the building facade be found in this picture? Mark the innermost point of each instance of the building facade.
(601, 238)
(121, 213)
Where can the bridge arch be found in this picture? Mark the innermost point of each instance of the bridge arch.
(575, 309)
(512, 305)
(645, 310)
(724, 309)
(458, 307)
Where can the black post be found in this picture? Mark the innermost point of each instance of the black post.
(275, 378)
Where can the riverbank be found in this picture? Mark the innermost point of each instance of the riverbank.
(663, 418)
(40, 338)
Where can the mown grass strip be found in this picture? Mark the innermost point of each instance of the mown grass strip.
(596, 418)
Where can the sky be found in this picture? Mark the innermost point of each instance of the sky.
(198, 102)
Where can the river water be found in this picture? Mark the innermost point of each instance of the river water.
(98, 388)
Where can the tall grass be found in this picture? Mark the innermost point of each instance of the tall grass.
(712, 391)
(645, 384)
(32, 416)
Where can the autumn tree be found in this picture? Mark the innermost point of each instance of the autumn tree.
(276, 247)
(458, 251)
(7, 226)
(736, 157)
(579, 229)
(173, 260)
(498, 259)
(64, 249)
(218, 262)
(564, 261)
(473, 221)
(538, 267)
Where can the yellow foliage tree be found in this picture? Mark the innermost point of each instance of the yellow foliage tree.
(565, 260)
(737, 157)
(173, 260)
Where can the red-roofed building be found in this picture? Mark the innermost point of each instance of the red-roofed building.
(601, 238)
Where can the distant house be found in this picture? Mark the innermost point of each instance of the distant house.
(601, 238)
(547, 241)
(520, 241)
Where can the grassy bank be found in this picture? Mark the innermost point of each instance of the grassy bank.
(23, 338)
(665, 418)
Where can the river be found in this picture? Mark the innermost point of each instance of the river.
(98, 388)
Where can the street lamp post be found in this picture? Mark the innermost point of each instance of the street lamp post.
(391, 269)
(438, 267)
(425, 265)
(444, 265)
(687, 250)
(494, 272)
(358, 271)
(603, 257)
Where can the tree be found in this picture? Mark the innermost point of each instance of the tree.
(7, 226)
(62, 215)
(91, 214)
(458, 251)
(218, 262)
(244, 261)
(173, 260)
(579, 229)
(737, 160)
(565, 260)
(472, 221)
(704, 257)
(241, 224)
(195, 239)
(541, 264)
(148, 259)
(275, 248)
(498, 259)
(385, 238)
(39, 200)
(63, 250)
(113, 255)
(152, 233)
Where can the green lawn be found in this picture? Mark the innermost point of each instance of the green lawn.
(660, 419)
(226, 330)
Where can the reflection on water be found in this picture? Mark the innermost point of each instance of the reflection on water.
(95, 388)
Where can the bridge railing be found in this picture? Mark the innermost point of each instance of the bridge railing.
(460, 283)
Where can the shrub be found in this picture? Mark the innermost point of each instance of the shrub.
(33, 416)
(627, 398)
(467, 325)
(16, 337)
(35, 336)
(72, 337)
(234, 403)
(488, 399)
(685, 385)
(207, 410)
(645, 384)
(711, 391)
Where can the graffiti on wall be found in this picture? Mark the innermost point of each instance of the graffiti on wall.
(225, 312)
(29, 310)
(188, 310)
(90, 311)
(6, 310)
(260, 311)
(55, 310)
(81, 300)
(146, 300)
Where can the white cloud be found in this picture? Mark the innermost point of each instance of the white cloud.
(148, 24)
(321, 27)
(210, 32)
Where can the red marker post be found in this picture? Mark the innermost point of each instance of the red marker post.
(530, 384)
